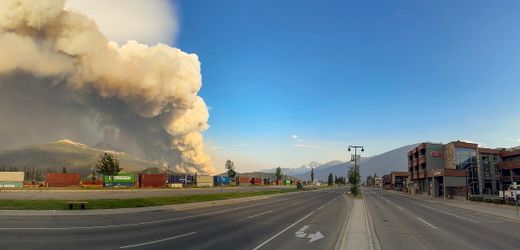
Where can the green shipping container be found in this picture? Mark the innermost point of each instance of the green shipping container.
(120, 178)
(11, 184)
(287, 182)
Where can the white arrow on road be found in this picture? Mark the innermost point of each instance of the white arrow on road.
(315, 237)
(301, 233)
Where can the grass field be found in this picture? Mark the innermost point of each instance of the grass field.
(137, 202)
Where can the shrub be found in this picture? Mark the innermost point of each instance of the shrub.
(498, 201)
(487, 200)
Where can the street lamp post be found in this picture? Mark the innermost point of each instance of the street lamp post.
(356, 170)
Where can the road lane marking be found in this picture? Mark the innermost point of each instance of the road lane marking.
(321, 207)
(253, 216)
(443, 212)
(301, 233)
(140, 223)
(281, 232)
(316, 236)
(425, 222)
(393, 203)
(157, 241)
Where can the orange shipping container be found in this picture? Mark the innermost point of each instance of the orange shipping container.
(152, 180)
(243, 180)
(62, 180)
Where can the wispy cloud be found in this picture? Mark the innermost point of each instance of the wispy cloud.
(297, 138)
(239, 145)
(305, 145)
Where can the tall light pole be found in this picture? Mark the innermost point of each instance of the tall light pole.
(356, 170)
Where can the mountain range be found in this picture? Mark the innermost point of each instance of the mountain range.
(76, 157)
(81, 158)
(393, 160)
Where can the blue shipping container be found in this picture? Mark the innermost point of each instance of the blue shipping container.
(186, 179)
(221, 180)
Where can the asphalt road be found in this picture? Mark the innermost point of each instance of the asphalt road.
(301, 220)
(85, 194)
(403, 222)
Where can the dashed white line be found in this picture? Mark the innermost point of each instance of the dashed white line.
(281, 232)
(157, 241)
(425, 222)
(443, 212)
(393, 203)
(398, 206)
(253, 216)
(321, 207)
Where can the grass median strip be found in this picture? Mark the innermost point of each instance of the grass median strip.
(136, 202)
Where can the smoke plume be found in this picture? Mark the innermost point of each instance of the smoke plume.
(61, 77)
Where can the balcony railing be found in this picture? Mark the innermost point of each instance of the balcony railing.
(509, 165)
(422, 160)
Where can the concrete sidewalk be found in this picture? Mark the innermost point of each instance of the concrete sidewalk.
(359, 233)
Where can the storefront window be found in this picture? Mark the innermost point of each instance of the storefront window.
(466, 159)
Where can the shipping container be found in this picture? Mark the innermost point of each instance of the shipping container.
(220, 180)
(278, 182)
(256, 181)
(204, 181)
(243, 181)
(288, 182)
(62, 180)
(184, 179)
(92, 183)
(152, 180)
(12, 176)
(120, 180)
(204, 184)
(175, 185)
(11, 184)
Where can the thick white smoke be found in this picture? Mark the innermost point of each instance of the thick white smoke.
(139, 95)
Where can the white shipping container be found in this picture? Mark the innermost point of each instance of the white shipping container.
(12, 176)
(204, 179)
(204, 184)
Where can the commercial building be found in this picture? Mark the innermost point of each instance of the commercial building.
(378, 182)
(396, 180)
(387, 181)
(460, 169)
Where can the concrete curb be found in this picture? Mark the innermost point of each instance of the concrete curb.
(342, 240)
(357, 232)
(178, 207)
(374, 241)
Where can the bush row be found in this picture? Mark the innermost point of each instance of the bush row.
(493, 200)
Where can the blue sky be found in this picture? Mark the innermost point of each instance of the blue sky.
(332, 73)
